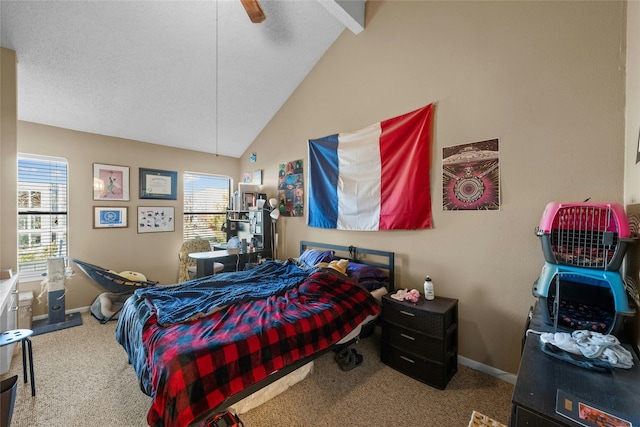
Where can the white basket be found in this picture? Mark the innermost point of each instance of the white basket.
(481, 420)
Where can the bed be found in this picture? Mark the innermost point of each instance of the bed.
(199, 346)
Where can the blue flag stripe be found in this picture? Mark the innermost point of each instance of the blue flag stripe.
(323, 182)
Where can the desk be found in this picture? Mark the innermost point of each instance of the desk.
(232, 262)
(540, 376)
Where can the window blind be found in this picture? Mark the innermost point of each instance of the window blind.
(206, 198)
(42, 211)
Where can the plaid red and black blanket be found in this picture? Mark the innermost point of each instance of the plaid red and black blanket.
(195, 366)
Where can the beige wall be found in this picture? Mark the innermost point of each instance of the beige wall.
(8, 142)
(547, 78)
(632, 138)
(155, 254)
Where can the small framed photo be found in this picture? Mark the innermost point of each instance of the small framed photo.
(248, 200)
(110, 182)
(156, 219)
(109, 217)
(257, 177)
(158, 184)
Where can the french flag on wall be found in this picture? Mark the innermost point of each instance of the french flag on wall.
(376, 178)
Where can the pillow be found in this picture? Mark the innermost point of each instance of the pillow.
(312, 257)
(371, 284)
(337, 264)
(362, 272)
(133, 275)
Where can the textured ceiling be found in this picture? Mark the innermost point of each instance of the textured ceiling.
(146, 70)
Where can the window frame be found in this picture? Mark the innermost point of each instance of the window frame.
(52, 206)
(189, 231)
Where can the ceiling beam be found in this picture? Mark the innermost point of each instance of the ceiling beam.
(349, 12)
(256, 15)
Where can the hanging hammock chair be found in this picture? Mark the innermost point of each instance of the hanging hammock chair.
(110, 280)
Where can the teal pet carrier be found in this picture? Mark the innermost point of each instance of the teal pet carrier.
(581, 298)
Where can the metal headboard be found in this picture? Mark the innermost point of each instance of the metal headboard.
(381, 259)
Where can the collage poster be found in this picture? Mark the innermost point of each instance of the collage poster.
(291, 189)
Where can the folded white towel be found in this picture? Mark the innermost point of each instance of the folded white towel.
(618, 356)
(561, 340)
(592, 345)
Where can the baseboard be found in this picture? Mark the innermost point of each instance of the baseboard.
(73, 310)
(489, 370)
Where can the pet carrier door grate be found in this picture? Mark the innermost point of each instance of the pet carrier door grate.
(588, 235)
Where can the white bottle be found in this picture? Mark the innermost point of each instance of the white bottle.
(428, 289)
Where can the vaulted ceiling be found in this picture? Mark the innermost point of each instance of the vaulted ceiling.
(197, 75)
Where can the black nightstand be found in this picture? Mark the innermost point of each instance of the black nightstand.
(421, 340)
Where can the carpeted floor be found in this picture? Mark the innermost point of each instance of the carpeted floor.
(83, 379)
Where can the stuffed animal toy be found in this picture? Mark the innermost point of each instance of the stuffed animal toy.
(412, 296)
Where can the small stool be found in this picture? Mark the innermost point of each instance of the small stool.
(22, 335)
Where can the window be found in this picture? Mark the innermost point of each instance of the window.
(42, 212)
(206, 198)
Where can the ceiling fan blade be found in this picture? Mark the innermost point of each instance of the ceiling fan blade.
(253, 10)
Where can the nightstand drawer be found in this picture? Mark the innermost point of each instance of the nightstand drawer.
(430, 317)
(429, 372)
(426, 346)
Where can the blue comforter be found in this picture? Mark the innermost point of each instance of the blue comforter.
(198, 297)
(187, 299)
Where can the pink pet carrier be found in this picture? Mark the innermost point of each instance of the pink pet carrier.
(587, 235)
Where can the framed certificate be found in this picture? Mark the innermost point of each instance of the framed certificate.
(158, 184)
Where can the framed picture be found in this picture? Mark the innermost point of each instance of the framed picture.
(158, 184)
(248, 200)
(110, 182)
(257, 177)
(156, 219)
(109, 217)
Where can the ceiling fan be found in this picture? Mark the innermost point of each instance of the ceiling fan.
(253, 10)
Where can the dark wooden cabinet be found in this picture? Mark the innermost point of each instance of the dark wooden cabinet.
(541, 377)
(421, 340)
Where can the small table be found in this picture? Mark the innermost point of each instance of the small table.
(232, 262)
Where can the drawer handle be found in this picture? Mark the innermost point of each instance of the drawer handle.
(407, 359)
(406, 313)
(13, 309)
(15, 292)
(409, 337)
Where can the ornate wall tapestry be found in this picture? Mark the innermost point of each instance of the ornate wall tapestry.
(471, 176)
